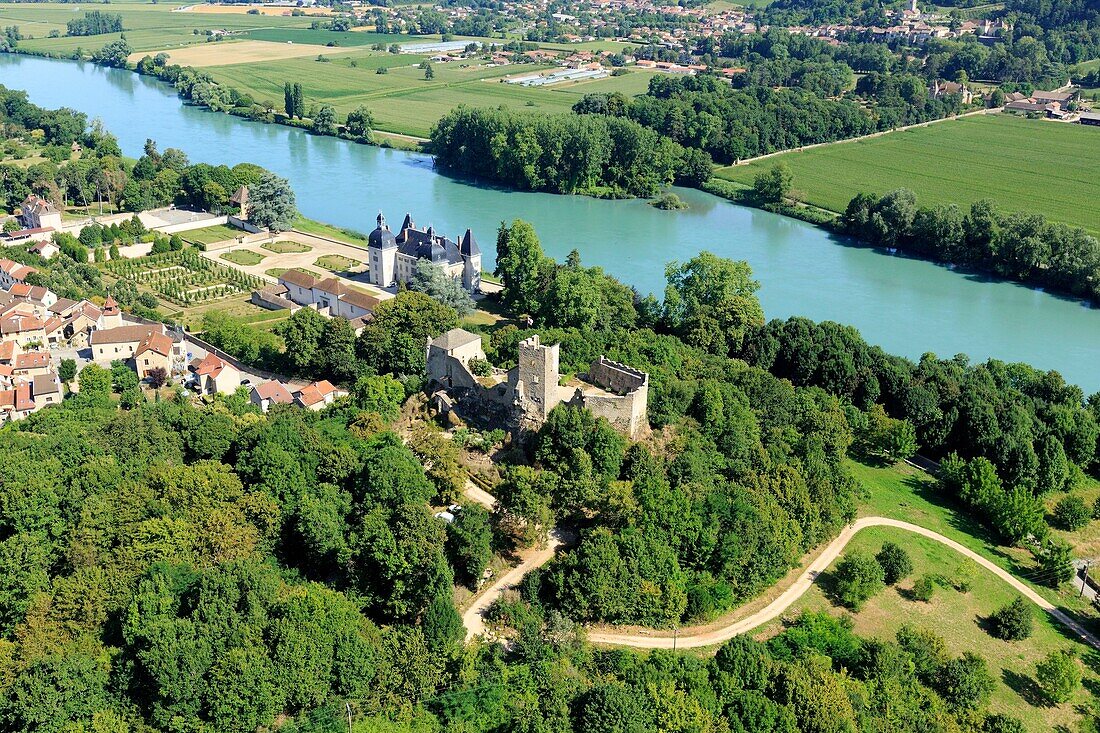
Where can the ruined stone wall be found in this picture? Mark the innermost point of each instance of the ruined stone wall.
(626, 413)
(616, 377)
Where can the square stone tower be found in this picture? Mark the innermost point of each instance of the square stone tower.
(537, 382)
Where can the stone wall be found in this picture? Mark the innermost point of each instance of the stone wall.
(616, 377)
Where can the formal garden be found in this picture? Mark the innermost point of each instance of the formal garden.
(285, 246)
(244, 257)
(184, 277)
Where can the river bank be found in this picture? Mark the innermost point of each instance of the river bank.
(906, 306)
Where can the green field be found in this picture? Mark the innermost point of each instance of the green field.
(956, 615)
(243, 257)
(1021, 165)
(148, 26)
(401, 100)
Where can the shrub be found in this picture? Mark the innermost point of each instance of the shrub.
(480, 367)
(1012, 622)
(924, 587)
(1071, 513)
(858, 577)
(1058, 675)
(1000, 723)
(895, 562)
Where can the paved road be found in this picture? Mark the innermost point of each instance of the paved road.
(689, 638)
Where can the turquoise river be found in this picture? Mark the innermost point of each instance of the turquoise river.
(907, 306)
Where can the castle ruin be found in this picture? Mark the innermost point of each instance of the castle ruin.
(523, 397)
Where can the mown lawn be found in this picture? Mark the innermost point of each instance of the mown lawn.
(210, 235)
(336, 263)
(243, 257)
(1021, 165)
(285, 246)
(958, 616)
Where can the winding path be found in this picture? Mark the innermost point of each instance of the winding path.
(689, 638)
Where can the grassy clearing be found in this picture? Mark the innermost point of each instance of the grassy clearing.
(243, 257)
(957, 616)
(237, 306)
(210, 235)
(336, 263)
(1021, 165)
(285, 246)
(1086, 540)
(906, 493)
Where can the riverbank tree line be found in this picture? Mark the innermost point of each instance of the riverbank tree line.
(732, 123)
(596, 154)
(1020, 246)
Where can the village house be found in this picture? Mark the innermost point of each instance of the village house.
(37, 294)
(155, 351)
(523, 397)
(8, 351)
(123, 343)
(22, 329)
(20, 396)
(16, 403)
(46, 390)
(941, 88)
(268, 394)
(31, 364)
(216, 375)
(318, 395)
(393, 258)
(38, 213)
(45, 249)
(12, 273)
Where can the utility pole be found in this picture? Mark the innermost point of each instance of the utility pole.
(1085, 578)
(675, 636)
(347, 706)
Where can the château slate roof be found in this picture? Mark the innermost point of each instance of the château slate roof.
(423, 244)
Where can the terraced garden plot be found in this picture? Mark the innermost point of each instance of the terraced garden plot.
(184, 278)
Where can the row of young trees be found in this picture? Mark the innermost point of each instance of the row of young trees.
(1020, 246)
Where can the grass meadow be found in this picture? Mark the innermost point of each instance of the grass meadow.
(1021, 165)
(964, 597)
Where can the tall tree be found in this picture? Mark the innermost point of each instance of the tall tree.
(271, 203)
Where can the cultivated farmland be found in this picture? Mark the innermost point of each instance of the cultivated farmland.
(401, 100)
(1021, 165)
(148, 27)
